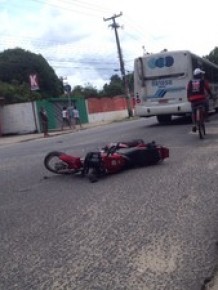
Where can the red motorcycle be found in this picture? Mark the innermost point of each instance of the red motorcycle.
(112, 158)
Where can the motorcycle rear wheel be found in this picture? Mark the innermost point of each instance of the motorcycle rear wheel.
(53, 163)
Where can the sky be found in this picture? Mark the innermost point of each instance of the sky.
(77, 42)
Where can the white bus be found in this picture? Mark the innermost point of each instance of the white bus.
(160, 82)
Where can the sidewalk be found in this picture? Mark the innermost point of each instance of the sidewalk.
(11, 139)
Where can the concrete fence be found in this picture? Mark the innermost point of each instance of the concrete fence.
(23, 118)
(19, 119)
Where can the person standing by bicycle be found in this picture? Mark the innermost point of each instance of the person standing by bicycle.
(198, 90)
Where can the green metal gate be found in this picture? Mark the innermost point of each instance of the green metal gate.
(54, 108)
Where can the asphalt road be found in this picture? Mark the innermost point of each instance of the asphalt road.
(151, 228)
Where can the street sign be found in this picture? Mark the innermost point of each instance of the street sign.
(34, 84)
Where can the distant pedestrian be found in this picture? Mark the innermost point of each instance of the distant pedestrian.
(65, 118)
(76, 117)
(44, 121)
(71, 116)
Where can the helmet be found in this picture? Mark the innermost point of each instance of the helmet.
(198, 71)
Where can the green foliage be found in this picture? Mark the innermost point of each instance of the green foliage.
(15, 93)
(90, 91)
(17, 64)
(130, 79)
(77, 91)
(15, 67)
(213, 56)
(87, 91)
(114, 88)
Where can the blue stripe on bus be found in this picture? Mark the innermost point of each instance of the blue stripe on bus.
(160, 93)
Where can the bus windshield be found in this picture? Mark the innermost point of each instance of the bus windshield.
(160, 83)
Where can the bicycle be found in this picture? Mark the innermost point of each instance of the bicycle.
(200, 121)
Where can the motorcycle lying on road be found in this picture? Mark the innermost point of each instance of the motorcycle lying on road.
(110, 159)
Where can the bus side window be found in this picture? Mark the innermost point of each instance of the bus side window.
(141, 74)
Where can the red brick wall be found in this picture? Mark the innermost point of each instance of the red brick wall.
(97, 105)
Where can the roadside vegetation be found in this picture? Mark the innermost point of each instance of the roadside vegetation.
(16, 65)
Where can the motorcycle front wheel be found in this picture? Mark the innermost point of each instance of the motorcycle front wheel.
(54, 164)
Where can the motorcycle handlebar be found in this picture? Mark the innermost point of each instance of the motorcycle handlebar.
(112, 149)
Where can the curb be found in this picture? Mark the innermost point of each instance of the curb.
(7, 140)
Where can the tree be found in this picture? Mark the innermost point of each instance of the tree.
(16, 65)
(130, 80)
(87, 91)
(77, 91)
(213, 56)
(15, 93)
(114, 88)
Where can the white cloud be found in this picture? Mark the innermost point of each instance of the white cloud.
(74, 32)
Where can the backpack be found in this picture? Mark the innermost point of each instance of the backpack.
(196, 90)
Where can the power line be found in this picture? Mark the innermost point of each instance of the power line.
(84, 68)
(86, 5)
(51, 41)
(79, 61)
(38, 44)
(115, 26)
(68, 8)
(73, 7)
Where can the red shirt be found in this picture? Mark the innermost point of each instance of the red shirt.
(197, 90)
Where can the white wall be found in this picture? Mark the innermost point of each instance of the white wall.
(107, 116)
(18, 119)
(21, 119)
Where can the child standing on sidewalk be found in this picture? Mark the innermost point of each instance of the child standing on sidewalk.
(65, 118)
(76, 117)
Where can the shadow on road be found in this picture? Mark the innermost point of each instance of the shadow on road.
(173, 122)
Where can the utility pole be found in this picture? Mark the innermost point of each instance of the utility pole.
(115, 26)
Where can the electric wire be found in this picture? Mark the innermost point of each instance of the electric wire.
(40, 44)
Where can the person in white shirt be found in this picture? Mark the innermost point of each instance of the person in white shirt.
(76, 117)
(65, 118)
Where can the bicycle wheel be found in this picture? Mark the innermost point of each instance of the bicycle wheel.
(201, 130)
(200, 122)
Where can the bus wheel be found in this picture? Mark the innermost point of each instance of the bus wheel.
(163, 119)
